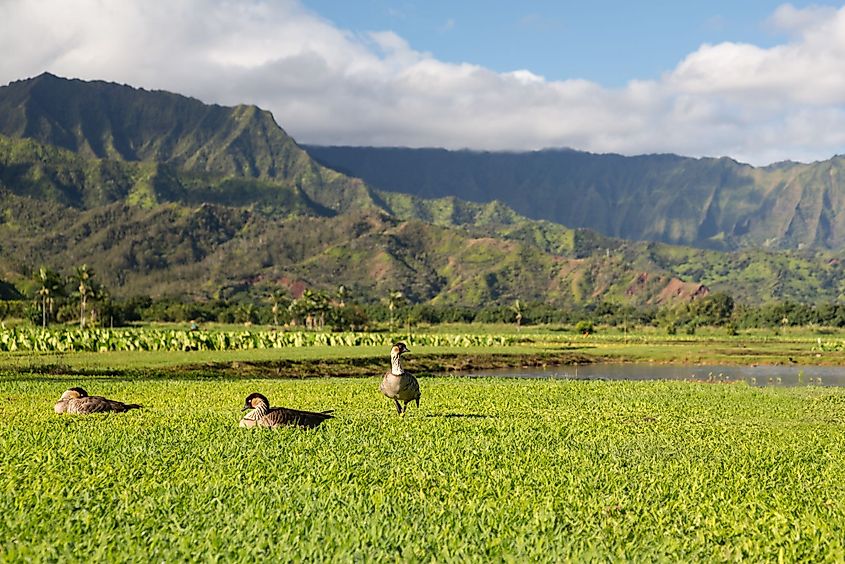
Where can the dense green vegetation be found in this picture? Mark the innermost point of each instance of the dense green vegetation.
(539, 471)
(44, 340)
(81, 299)
(164, 196)
(709, 203)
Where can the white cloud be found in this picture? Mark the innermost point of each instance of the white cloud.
(793, 20)
(328, 85)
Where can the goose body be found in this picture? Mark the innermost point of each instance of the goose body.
(262, 415)
(399, 385)
(76, 401)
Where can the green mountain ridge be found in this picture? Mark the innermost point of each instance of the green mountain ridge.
(165, 196)
(707, 203)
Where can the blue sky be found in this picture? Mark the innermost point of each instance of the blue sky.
(756, 81)
(609, 42)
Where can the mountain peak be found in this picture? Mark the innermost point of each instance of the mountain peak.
(44, 76)
(113, 121)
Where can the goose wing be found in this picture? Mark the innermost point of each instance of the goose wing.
(409, 387)
(279, 416)
(97, 404)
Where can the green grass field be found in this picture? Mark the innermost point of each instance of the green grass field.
(485, 470)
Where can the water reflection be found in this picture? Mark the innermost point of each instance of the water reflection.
(791, 375)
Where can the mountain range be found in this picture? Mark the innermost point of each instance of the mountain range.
(706, 203)
(164, 195)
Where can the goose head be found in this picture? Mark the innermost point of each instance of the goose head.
(254, 401)
(73, 393)
(398, 349)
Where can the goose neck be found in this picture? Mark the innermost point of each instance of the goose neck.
(395, 366)
(257, 412)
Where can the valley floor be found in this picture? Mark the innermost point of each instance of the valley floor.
(484, 470)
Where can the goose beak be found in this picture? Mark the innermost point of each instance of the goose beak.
(246, 408)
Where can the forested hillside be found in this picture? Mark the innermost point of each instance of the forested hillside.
(163, 195)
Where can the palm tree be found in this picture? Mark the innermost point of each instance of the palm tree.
(517, 309)
(279, 298)
(246, 313)
(394, 299)
(296, 310)
(308, 308)
(342, 294)
(316, 305)
(99, 294)
(51, 286)
(83, 276)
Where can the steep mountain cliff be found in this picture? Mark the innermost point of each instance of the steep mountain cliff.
(709, 203)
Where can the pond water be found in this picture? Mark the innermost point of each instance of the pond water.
(783, 375)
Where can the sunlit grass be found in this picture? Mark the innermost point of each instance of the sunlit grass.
(485, 469)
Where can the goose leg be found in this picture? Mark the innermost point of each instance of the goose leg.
(418, 402)
(398, 406)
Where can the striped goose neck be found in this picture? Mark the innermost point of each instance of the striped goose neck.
(395, 366)
(258, 412)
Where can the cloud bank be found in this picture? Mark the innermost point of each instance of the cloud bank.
(330, 86)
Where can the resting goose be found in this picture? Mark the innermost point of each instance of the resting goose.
(262, 415)
(76, 401)
(399, 385)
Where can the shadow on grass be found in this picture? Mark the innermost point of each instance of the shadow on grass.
(115, 376)
(462, 416)
(435, 364)
(228, 371)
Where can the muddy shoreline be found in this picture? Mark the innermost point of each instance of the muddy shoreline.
(430, 364)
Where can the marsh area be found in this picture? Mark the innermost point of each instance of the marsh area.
(754, 375)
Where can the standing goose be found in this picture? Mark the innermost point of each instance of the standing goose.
(399, 385)
(76, 401)
(262, 415)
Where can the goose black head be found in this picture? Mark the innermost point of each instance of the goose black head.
(399, 348)
(254, 400)
(74, 393)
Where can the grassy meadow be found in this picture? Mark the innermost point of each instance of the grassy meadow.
(486, 469)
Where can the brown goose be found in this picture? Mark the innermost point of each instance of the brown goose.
(262, 415)
(399, 385)
(76, 401)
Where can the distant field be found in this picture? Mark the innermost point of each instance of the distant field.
(434, 350)
(484, 470)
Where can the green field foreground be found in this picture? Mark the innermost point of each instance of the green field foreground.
(487, 469)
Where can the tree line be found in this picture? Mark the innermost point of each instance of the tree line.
(79, 298)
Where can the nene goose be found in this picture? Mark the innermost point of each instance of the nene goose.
(262, 415)
(399, 385)
(76, 401)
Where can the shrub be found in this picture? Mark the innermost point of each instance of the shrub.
(585, 327)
